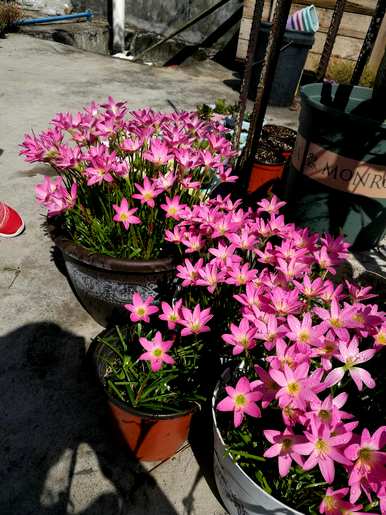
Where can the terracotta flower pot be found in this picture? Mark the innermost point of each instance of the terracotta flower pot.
(103, 284)
(263, 175)
(150, 437)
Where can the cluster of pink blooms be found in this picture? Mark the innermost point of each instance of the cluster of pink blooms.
(140, 158)
(302, 339)
(176, 315)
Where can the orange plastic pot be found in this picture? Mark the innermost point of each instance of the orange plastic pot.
(264, 174)
(151, 437)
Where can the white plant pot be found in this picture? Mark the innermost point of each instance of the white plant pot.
(240, 495)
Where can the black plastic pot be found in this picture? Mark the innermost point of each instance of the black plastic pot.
(337, 177)
(103, 284)
(290, 65)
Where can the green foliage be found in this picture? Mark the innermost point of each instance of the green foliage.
(129, 380)
(340, 71)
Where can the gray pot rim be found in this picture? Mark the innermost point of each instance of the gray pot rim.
(99, 346)
(224, 377)
(82, 255)
(308, 91)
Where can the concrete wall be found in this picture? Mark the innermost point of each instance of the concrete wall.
(50, 7)
(161, 16)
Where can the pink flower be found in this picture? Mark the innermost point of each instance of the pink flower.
(54, 195)
(156, 351)
(242, 337)
(349, 355)
(244, 240)
(369, 470)
(194, 321)
(253, 296)
(223, 253)
(241, 400)
(333, 504)
(296, 386)
(266, 385)
(171, 314)
(283, 448)
(323, 449)
(132, 144)
(271, 206)
(210, 276)
(192, 243)
(240, 274)
(328, 411)
(147, 193)
(337, 319)
(173, 207)
(269, 331)
(125, 215)
(189, 272)
(380, 336)
(285, 302)
(310, 289)
(158, 152)
(141, 309)
(304, 332)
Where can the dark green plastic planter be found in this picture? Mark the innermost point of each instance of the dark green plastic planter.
(337, 178)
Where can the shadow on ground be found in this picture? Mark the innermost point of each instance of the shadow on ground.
(57, 446)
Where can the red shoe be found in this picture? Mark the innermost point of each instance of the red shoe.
(11, 223)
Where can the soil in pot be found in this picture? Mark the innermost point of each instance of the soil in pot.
(150, 437)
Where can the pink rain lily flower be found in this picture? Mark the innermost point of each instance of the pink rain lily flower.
(158, 152)
(323, 449)
(242, 337)
(194, 321)
(303, 331)
(240, 275)
(171, 313)
(173, 208)
(380, 336)
(147, 193)
(337, 319)
(141, 309)
(334, 504)
(189, 272)
(270, 331)
(132, 144)
(309, 288)
(210, 276)
(328, 411)
(351, 357)
(156, 351)
(285, 302)
(253, 297)
(125, 215)
(369, 470)
(266, 385)
(241, 400)
(283, 448)
(297, 387)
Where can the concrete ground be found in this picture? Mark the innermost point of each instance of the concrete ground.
(58, 454)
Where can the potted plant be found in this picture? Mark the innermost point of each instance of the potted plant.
(151, 373)
(122, 181)
(10, 13)
(298, 414)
